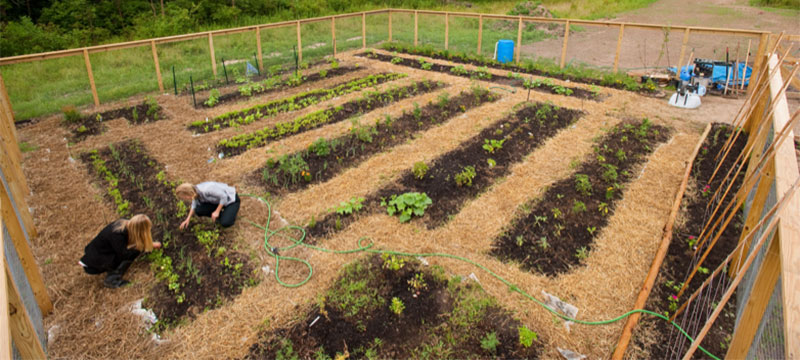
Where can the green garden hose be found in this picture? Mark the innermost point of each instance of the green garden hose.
(275, 252)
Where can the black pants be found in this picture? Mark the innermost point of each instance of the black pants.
(227, 216)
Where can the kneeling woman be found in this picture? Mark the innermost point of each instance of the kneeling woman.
(116, 246)
(214, 199)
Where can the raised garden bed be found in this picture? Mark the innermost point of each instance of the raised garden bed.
(371, 101)
(292, 103)
(324, 159)
(555, 232)
(196, 270)
(592, 77)
(516, 80)
(82, 127)
(461, 174)
(272, 84)
(679, 259)
(391, 307)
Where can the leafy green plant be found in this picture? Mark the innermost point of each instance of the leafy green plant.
(489, 342)
(419, 170)
(417, 283)
(465, 176)
(407, 205)
(492, 145)
(397, 306)
(491, 162)
(582, 253)
(71, 115)
(396, 60)
(213, 98)
(578, 207)
(351, 206)
(526, 336)
(582, 184)
(321, 147)
(603, 208)
(392, 262)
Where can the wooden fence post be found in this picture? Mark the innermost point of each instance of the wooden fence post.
(299, 44)
(91, 76)
(619, 47)
(258, 48)
(760, 56)
(446, 30)
(363, 30)
(416, 26)
(480, 32)
(213, 56)
(390, 25)
(564, 47)
(683, 52)
(158, 66)
(5, 323)
(518, 48)
(333, 34)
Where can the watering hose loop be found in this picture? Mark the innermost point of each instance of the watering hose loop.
(367, 248)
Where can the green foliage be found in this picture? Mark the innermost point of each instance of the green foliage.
(25, 147)
(71, 115)
(419, 170)
(582, 253)
(392, 262)
(396, 60)
(397, 306)
(578, 207)
(290, 169)
(321, 147)
(582, 184)
(352, 293)
(213, 98)
(492, 145)
(526, 336)
(465, 176)
(490, 342)
(351, 206)
(407, 205)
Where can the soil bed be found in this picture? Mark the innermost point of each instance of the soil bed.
(679, 259)
(276, 83)
(610, 80)
(146, 112)
(389, 307)
(194, 273)
(374, 100)
(544, 86)
(327, 158)
(556, 232)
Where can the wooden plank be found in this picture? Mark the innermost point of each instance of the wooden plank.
(756, 210)
(158, 66)
(333, 35)
(746, 59)
(299, 44)
(619, 47)
(390, 26)
(8, 140)
(517, 49)
(22, 330)
(446, 30)
(91, 76)
(5, 321)
(564, 47)
(258, 50)
(759, 61)
(363, 30)
(213, 56)
(683, 52)
(647, 286)
(416, 26)
(480, 33)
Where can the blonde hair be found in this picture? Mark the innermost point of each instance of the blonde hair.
(185, 190)
(139, 235)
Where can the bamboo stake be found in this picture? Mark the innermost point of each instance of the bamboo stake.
(258, 48)
(364, 30)
(446, 30)
(416, 26)
(746, 58)
(213, 56)
(518, 48)
(158, 66)
(619, 47)
(647, 286)
(727, 78)
(299, 44)
(736, 68)
(91, 76)
(390, 25)
(480, 32)
(333, 34)
(564, 47)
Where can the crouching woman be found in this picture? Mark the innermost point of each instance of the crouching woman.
(116, 246)
(214, 199)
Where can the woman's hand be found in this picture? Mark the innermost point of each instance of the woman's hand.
(184, 224)
(156, 245)
(215, 215)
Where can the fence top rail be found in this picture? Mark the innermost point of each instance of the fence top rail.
(107, 47)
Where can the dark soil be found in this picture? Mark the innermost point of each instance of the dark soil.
(679, 259)
(473, 60)
(556, 232)
(371, 101)
(142, 183)
(442, 319)
(281, 84)
(350, 150)
(485, 76)
(92, 124)
(287, 69)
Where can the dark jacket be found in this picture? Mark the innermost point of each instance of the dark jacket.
(109, 248)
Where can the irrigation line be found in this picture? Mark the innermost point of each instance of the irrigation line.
(275, 252)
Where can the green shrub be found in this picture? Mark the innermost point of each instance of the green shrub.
(465, 176)
(419, 170)
(407, 205)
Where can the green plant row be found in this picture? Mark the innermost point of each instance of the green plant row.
(541, 67)
(296, 102)
(123, 206)
(277, 81)
(242, 142)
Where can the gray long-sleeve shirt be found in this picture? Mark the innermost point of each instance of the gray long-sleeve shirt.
(214, 193)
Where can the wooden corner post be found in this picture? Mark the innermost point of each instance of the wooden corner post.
(446, 30)
(363, 30)
(518, 48)
(480, 32)
(158, 66)
(390, 25)
(333, 34)
(683, 52)
(564, 47)
(416, 26)
(213, 57)
(299, 44)
(258, 50)
(619, 47)
(91, 76)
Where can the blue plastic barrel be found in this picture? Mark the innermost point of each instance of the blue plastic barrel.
(505, 51)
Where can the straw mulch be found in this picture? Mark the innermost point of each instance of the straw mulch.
(91, 322)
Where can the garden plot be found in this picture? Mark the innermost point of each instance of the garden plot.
(82, 126)
(251, 316)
